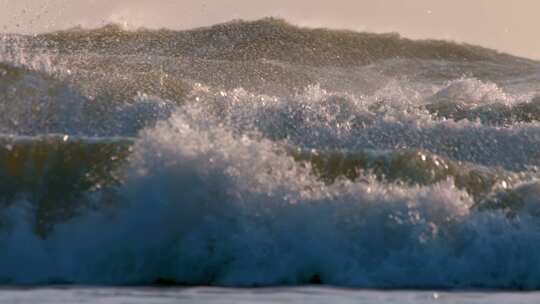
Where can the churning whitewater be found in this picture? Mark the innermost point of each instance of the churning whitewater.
(259, 154)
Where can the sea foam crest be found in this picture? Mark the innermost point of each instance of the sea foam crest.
(319, 119)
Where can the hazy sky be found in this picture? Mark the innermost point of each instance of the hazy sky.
(510, 26)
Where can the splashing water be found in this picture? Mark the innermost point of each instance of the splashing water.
(213, 157)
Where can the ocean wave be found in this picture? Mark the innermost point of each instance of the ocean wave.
(260, 153)
(483, 120)
(56, 175)
(35, 103)
(269, 38)
(394, 117)
(201, 205)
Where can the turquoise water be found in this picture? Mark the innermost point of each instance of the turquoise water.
(224, 296)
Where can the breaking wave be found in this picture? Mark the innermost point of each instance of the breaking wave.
(260, 153)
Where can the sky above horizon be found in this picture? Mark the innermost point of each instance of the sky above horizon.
(509, 26)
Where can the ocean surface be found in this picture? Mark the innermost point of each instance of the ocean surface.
(260, 154)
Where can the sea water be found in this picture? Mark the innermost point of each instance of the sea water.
(260, 154)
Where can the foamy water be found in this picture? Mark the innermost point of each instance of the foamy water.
(213, 157)
(271, 295)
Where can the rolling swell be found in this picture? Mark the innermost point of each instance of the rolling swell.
(271, 39)
(56, 174)
(260, 153)
(35, 103)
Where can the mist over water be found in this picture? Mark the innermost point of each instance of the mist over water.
(260, 154)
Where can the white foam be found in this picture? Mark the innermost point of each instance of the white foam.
(205, 206)
(387, 120)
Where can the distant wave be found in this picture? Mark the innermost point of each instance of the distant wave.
(271, 39)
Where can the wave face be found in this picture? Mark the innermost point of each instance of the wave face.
(260, 154)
